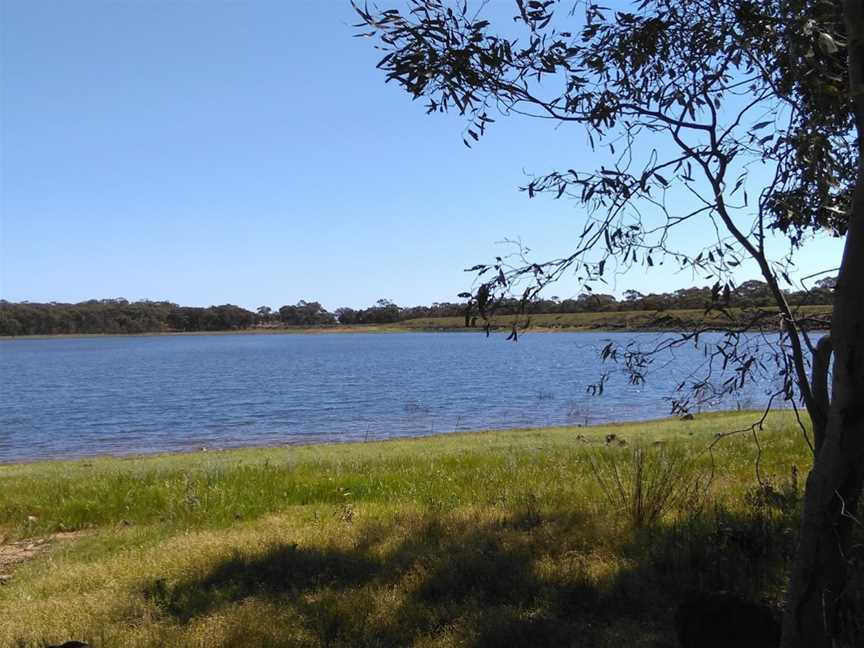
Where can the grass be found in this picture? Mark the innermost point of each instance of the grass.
(486, 539)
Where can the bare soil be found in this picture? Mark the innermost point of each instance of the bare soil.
(14, 553)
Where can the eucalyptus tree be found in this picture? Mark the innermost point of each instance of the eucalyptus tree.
(742, 116)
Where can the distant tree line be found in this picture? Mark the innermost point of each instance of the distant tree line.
(750, 294)
(122, 316)
(118, 316)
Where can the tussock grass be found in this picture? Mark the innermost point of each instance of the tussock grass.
(648, 482)
(490, 539)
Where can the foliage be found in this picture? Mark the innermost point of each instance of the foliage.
(117, 316)
(722, 113)
(305, 314)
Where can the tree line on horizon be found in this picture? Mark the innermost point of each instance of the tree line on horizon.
(108, 316)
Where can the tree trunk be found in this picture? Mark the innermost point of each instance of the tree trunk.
(834, 485)
(821, 394)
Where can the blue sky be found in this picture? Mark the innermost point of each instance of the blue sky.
(249, 152)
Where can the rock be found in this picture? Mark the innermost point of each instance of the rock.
(722, 620)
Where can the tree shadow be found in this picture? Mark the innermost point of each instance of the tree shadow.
(283, 570)
(484, 580)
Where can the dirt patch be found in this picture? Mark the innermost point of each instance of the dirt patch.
(14, 553)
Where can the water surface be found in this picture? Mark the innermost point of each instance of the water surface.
(120, 395)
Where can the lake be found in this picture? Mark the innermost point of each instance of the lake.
(62, 398)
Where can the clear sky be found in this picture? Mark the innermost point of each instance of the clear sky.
(249, 152)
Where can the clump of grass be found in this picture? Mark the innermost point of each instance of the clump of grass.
(644, 483)
(780, 496)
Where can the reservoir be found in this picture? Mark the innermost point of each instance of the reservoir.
(64, 398)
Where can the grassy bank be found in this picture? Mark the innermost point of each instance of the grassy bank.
(670, 320)
(515, 538)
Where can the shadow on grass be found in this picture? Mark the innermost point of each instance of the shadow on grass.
(523, 580)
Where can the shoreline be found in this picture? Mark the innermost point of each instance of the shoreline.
(359, 330)
(279, 331)
(584, 322)
(595, 429)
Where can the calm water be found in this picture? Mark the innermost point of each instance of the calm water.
(79, 397)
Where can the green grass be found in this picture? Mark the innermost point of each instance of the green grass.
(489, 539)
